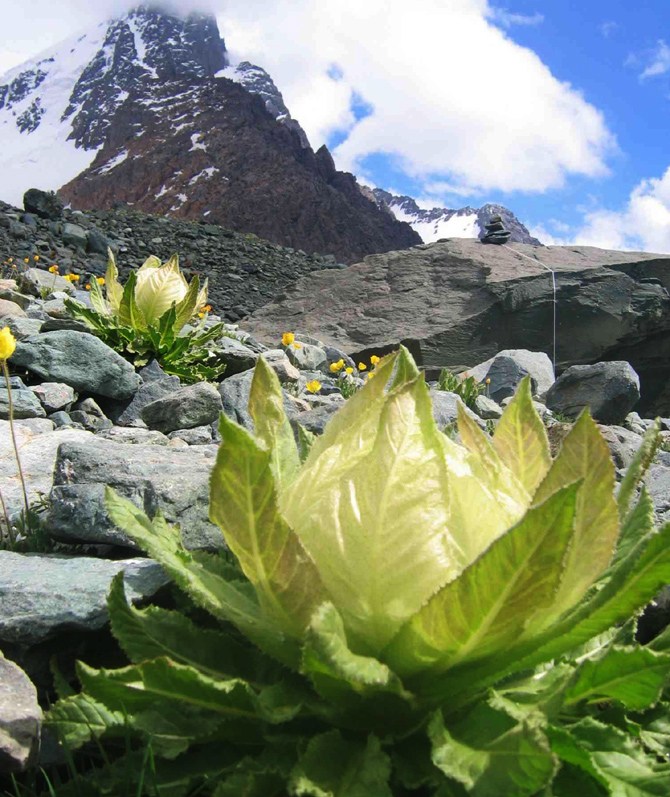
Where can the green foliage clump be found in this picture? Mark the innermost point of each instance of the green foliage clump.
(145, 319)
(467, 388)
(407, 616)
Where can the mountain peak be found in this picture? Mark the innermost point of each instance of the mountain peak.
(436, 223)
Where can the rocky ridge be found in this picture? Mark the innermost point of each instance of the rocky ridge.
(244, 271)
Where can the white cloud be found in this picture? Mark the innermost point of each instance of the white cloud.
(659, 63)
(508, 18)
(453, 98)
(608, 28)
(643, 224)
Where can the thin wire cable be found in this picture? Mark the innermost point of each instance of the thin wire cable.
(554, 301)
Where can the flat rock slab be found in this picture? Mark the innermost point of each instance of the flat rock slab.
(458, 303)
(37, 445)
(174, 481)
(42, 595)
(20, 718)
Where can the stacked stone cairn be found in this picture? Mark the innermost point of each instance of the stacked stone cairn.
(496, 232)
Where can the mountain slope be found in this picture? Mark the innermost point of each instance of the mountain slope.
(437, 223)
(140, 111)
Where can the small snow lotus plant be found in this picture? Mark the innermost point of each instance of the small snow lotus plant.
(145, 318)
(406, 616)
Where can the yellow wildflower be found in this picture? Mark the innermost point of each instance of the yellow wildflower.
(74, 278)
(36, 257)
(314, 386)
(374, 359)
(349, 370)
(7, 343)
(338, 366)
(362, 367)
(287, 338)
(205, 308)
(488, 380)
(297, 345)
(100, 280)
(26, 260)
(88, 286)
(371, 375)
(201, 315)
(53, 269)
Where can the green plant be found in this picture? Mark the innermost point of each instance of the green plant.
(467, 388)
(145, 319)
(409, 616)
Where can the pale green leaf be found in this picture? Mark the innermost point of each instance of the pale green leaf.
(97, 299)
(633, 676)
(632, 584)
(305, 441)
(491, 470)
(153, 631)
(186, 308)
(372, 512)
(521, 439)
(79, 719)
(360, 691)
(271, 426)
(243, 504)
(129, 313)
(638, 467)
(620, 764)
(209, 588)
(498, 600)
(584, 457)
(638, 524)
(491, 755)
(113, 287)
(158, 289)
(655, 730)
(334, 766)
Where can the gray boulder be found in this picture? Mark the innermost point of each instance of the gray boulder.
(198, 436)
(609, 389)
(658, 483)
(25, 402)
(80, 360)
(186, 408)
(38, 444)
(45, 204)
(23, 327)
(37, 281)
(20, 718)
(155, 477)
(235, 355)
(9, 309)
(74, 236)
(505, 374)
(445, 409)
(42, 595)
(487, 408)
(281, 365)
(155, 384)
(133, 436)
(55, 396)
(535, 363)
(308, 357)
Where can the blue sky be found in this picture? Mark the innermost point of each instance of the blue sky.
(559, 110)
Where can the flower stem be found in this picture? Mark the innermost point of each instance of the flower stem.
(11, 428)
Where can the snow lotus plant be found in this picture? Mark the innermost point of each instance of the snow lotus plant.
(405, 615)
(144, 318)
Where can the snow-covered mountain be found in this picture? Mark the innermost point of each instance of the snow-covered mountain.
(55, 111)
(146, 109)
(437, 223)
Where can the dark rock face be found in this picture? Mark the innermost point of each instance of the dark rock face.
(172, 48)
(210, 150)
(458, 303)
